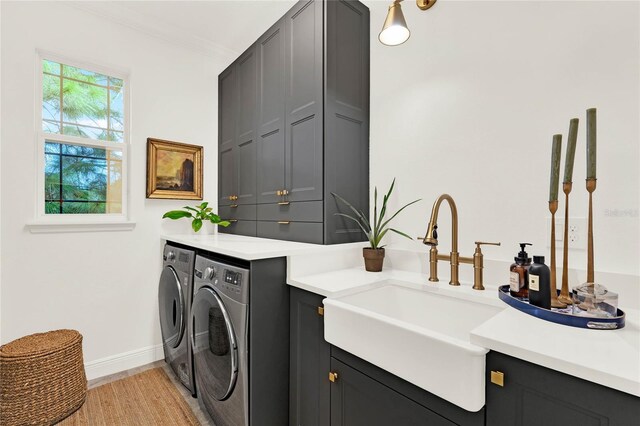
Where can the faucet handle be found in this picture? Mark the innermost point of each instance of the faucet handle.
(479, 243)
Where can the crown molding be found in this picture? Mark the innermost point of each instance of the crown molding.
(162, 30)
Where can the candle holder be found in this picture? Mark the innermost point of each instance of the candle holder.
(555, 303)
(591, 187)
(565, 297)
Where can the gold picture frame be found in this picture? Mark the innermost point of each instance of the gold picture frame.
(174, 170)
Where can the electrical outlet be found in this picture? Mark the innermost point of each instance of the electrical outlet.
(577, 233)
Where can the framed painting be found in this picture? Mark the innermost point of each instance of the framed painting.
(174, 170)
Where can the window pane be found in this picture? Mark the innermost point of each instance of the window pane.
(116, 136)
(115, 82)
(50, 127)
(84, 104)
(84, 75)
(51, 67)
(116, 113)
(83, 208)
(50, 97)
(91, 180)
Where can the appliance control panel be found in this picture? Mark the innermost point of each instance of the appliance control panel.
(229, 280)
(180, 259)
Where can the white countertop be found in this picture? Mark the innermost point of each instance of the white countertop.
(249, 248)
(607, 357)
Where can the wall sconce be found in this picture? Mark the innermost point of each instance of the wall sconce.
(395, 31)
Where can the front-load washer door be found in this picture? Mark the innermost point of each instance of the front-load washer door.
(172, 309)
(215, 349)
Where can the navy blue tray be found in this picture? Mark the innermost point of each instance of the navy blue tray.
(560, 317)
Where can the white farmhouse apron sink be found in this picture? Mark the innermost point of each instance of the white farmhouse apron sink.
(416, 333)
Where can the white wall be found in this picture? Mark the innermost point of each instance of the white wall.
(102, 284)
(469, 104)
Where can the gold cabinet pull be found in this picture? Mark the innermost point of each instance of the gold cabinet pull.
(497, 378)
(321, 311)
(333, 377)
(283, 222)
(284, 203)
(233, 220)
(233, 206)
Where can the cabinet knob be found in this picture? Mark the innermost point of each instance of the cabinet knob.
(279, 193)
(333, 377)
(497, 378)
(321, 311)
(285, 192)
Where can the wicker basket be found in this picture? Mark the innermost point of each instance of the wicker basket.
(42, 378)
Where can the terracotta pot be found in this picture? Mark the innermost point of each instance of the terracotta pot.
(373, 259)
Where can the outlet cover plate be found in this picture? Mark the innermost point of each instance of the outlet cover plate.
(577, 233)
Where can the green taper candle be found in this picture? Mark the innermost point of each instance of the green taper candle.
(591, 143)
(556, 151)
(571, 150)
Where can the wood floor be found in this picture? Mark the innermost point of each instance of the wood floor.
(149, 395)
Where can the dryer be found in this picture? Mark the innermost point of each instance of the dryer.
(175, 294)
(219, 337)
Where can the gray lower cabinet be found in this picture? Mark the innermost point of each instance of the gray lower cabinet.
(357, 399)
(361, 393)
(302, 121)
(309, 364)
(532, 395)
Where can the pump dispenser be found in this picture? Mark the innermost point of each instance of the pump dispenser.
(519, 273)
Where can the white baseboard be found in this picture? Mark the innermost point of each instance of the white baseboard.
(124, 361)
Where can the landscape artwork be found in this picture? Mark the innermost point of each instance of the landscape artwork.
(174, 170)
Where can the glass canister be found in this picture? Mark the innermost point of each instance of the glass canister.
(594, 300)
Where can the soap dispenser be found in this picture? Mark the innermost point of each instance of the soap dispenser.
(519, 273)
(539, 283)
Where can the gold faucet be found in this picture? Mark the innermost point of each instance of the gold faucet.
(454, 258)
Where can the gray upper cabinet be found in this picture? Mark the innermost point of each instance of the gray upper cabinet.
(302, 120)
(271, 109)
(247, 74)
(227, 101)
(304, 81)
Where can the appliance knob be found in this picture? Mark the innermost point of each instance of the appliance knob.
(171, 255)
(209, 273)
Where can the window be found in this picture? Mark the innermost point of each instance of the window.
(83, 143)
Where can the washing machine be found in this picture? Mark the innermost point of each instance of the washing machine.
(219, 335)
(175, 294)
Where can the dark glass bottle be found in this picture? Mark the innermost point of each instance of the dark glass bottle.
(519, 273)
(539, 283)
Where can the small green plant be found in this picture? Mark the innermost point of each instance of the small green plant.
(380, 226)
(198, 214)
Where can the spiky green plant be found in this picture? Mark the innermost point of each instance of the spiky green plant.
(380, 227)
(198, 214)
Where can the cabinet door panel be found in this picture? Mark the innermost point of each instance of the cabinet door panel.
(227, 103)
(357, 399)
(271, 112)
(246, 123)
(346, 146)
(241, 227)
(309, 358)
(536, 396)
(226, 175)
(304, 109)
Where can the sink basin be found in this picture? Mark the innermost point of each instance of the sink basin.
(416, 333)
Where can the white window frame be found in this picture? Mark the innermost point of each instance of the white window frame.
(79, 222)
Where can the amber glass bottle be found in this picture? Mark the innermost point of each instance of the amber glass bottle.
(519, 273)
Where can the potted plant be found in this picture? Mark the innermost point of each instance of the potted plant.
(374, 255)
(198, 214)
